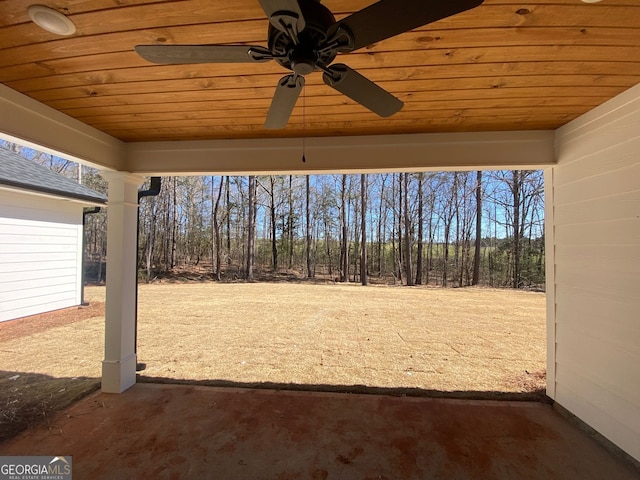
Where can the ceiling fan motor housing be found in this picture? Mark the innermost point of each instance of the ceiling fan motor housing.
(305, 56)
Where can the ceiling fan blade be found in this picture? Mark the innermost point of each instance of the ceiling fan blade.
(285, 15)
(285, 98)
(183, 54)
(350, 83)
(388, 18)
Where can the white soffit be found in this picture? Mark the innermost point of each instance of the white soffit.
(31, 123)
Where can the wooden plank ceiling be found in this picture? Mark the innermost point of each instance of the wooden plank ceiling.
(505, 65)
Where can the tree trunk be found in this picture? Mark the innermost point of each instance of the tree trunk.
(308, 227)
(429, 252)
(399, 254)
(445, 261)
(448, 215)
(213, 226)
(327, 243)
(251, 230)
(381, 221)
(274, 240)
(407, 233)
(419, 254)
(290, 232)
(216, 232)
(166, 232)
(344, 247)
(455, 198)
(478, 244)
(174, 228)
(363, 230)
(516, 190)
(356, 244)
(228, 197)
(150, 243)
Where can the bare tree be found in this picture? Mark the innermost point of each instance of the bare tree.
(174, 223)
(227, 186)
(516, 186)
(291, 222)
(251, 228)
(478, 241)
(272, 210)
(344, 243)
(382, 219)
(420, 254)
(308, 226)
(216, 230)
(151, 230)
(407, 233)
(363, 230)
(447, 216)
(397, 223)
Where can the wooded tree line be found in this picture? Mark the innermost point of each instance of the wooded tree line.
(438, 228)
(446, 228)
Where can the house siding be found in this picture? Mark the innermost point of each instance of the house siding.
(595, 248)
(40, 254)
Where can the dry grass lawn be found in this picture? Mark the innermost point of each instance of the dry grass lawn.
(472, 340)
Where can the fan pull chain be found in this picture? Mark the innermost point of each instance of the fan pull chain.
(304, 108)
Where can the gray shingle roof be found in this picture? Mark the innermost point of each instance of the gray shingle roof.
(16, 171)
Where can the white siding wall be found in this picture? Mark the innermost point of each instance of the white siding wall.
(595, 240)
(40, 254)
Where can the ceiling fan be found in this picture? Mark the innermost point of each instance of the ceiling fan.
(304, 37)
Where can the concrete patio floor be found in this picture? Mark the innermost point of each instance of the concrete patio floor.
(177, 431)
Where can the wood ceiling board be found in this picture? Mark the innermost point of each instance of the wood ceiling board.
(227, 87)
(492, 57)
(101, 119)
(415, 117)
(164, 73)
(20, 46)
(506, 60)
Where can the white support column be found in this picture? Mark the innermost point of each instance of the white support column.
(119, 365)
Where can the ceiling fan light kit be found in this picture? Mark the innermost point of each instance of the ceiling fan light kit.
(304, 38)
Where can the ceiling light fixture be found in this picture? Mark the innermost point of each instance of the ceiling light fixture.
(591, 1)
(51, 20)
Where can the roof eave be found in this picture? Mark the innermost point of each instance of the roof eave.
(51, 193)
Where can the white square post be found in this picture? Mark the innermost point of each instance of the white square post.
(119, 365)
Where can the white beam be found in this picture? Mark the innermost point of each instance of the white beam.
(28, 122)
(385, 153)
(119, 365)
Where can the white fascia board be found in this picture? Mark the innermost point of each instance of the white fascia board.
(358, 154)
(28, 122)
(33, 193)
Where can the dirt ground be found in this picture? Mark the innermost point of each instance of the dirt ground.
(420, 340)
